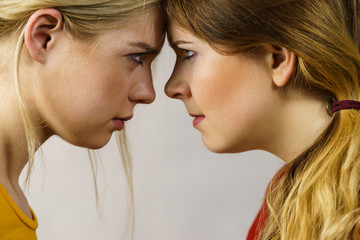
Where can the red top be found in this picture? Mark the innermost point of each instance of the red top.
(258, 223)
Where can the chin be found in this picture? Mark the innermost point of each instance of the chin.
(93, 143)
(223, 150)
(97, 144)
(218, 147)
(94, 146)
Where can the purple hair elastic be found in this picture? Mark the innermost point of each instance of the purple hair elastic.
(345, 104)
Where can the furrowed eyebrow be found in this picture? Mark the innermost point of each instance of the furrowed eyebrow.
(177, 43)
(148, 48)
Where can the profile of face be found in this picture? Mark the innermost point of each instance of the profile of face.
(234, 99)
(85, 91)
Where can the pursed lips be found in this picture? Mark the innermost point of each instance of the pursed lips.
(197, 119)
(119, 123)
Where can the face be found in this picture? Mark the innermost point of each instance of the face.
(230, 97)
(86, 92)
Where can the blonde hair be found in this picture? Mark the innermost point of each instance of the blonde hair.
(317, 196)
(83, 20)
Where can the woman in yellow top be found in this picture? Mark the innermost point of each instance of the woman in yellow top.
(71, 68)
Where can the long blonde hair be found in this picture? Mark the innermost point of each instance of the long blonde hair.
(316, 196)
(84, 20)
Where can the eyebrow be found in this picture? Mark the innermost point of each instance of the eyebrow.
(177, 43)
(148, 48)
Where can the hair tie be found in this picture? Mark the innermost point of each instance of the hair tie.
(345, 104)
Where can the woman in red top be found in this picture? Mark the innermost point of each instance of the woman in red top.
(282, 76)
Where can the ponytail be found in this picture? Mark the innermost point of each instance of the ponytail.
(321, 188)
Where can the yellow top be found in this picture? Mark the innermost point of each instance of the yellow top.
(14, 224)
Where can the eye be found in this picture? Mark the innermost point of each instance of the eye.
(189, 54)
(138, 59)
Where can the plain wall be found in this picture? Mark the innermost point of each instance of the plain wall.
(182, 190)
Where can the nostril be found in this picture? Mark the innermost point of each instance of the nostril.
(145, 101)
(172, 94)
(179, 92)
(176, 95)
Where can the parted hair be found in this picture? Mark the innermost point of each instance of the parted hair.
(317, 195)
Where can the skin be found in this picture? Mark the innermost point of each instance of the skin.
(239, 99)
(78, 91)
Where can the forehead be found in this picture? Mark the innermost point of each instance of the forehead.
(178, 36)
(147, 27)
(149, 20)
(175, 33)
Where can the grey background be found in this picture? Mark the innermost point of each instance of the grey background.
(182, 190)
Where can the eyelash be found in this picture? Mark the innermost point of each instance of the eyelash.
(187, 52)
(138, 58)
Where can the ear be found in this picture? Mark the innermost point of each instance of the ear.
(283, 64)
(41, 31)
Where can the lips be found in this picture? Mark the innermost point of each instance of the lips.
(197, 119)
(126, 118)
(119, 123)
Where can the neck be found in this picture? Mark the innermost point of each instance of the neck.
(13, 148)
(302, 119)
(13, 153)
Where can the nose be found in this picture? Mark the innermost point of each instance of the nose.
(177, 88)
(143, 92)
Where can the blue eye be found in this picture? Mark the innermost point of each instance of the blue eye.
(189, 54)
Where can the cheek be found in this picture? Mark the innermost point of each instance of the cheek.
(99, 92)
(88, 92)
(235, 102)
(231, 87)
